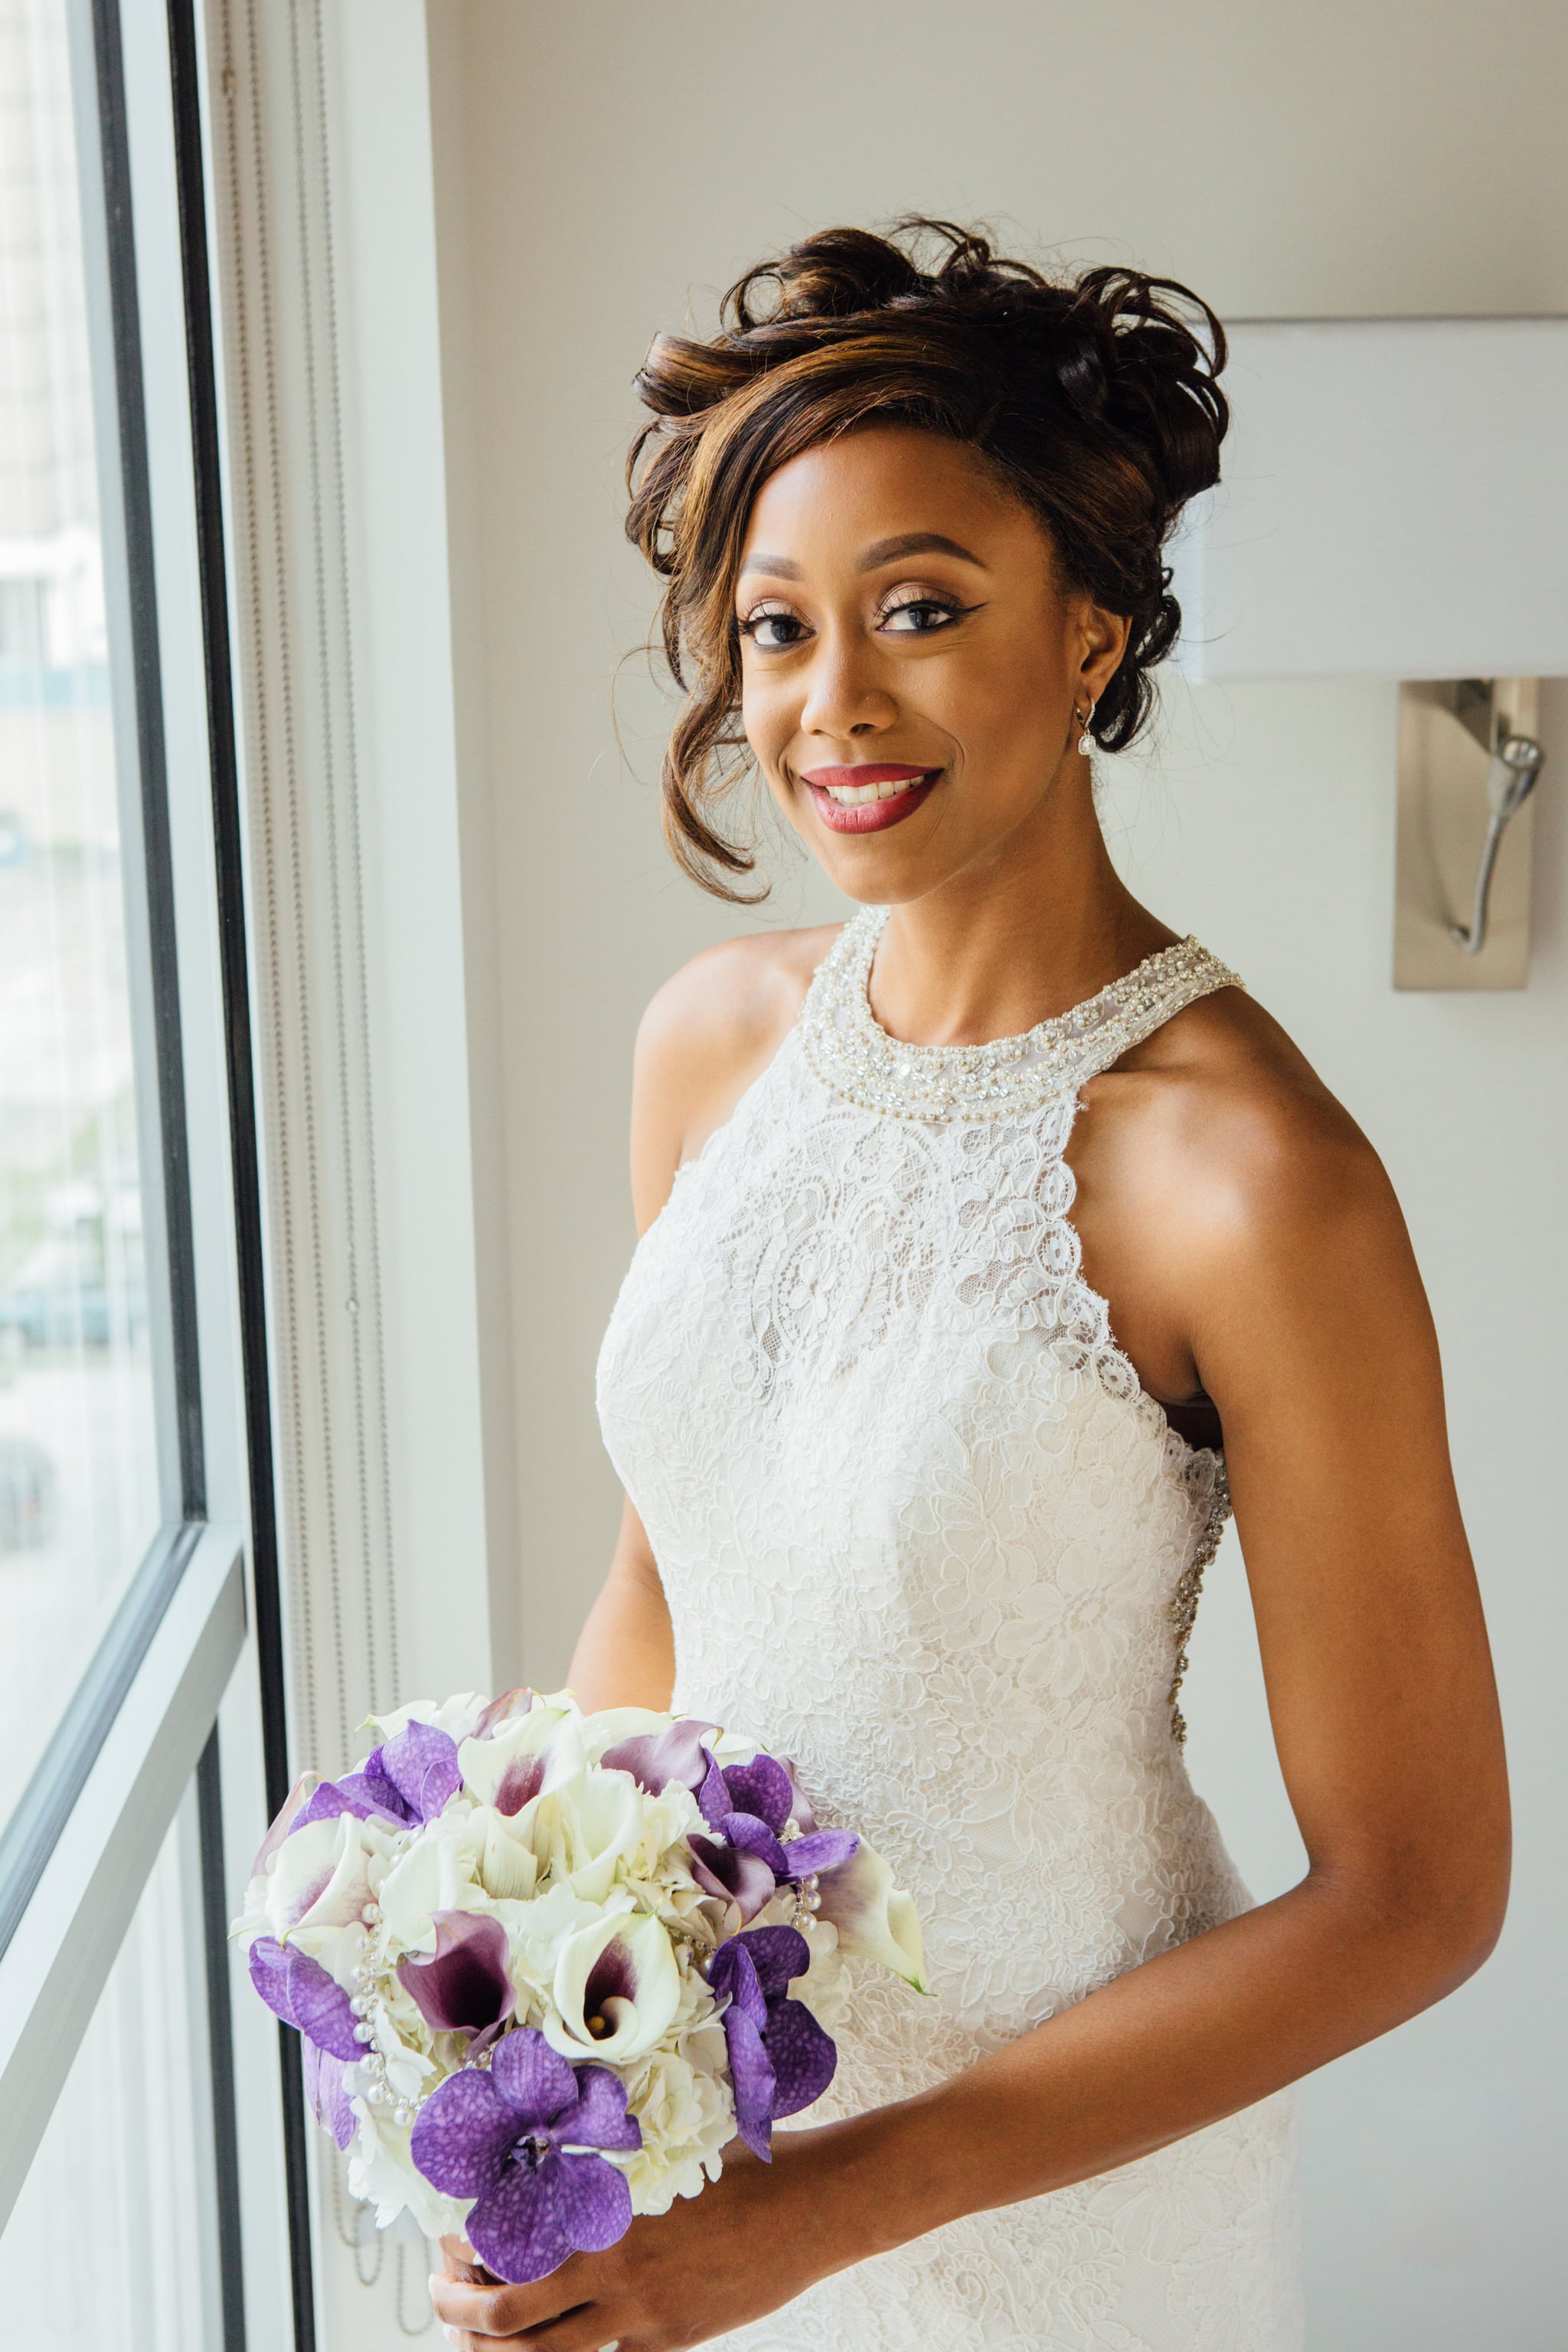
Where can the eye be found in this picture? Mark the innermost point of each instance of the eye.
(772, 627)
(921, 614)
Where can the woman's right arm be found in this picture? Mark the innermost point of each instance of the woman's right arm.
(626, 1651)
(706, 1036)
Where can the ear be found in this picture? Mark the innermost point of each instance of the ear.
(1102, 641)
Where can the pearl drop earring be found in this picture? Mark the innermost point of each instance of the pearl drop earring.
(1085, 740)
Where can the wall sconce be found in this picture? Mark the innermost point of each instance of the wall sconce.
(1394, 505)
(1468, 761)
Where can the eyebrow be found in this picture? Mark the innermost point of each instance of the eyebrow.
(915, 542)
(779, 566)
(885, 550)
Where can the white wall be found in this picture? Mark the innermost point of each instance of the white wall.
(1267, 825)
(602, 172)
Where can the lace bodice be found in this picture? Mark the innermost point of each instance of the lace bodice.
(921, 1528)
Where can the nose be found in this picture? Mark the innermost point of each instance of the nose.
(845, 697)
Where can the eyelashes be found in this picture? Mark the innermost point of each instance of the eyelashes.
(772, 627)
(923, 600)
(762, 617)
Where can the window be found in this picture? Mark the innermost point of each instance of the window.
(132, 1346)
(79, 1500)
(99, 2251)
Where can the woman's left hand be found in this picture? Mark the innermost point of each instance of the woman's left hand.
(755, 2239)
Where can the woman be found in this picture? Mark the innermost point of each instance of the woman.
(901, 1503)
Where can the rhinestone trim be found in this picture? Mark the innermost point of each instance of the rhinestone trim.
(850, 1052)
(1183, 1609)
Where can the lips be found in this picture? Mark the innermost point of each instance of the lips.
(869, 797)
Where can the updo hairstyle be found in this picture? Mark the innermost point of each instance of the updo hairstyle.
(1094, 400)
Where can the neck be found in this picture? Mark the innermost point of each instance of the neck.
(1031, 928)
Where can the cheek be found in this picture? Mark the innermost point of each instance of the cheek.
(996, 710)
(767, 718)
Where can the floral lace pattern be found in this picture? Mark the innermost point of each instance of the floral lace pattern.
(921, 1529)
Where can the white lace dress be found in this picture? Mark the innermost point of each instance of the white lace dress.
(921, 1529)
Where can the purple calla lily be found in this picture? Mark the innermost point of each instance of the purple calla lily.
(523, 2141)
(520, 1784)
(734, 1874)
(298, 1990)
(463, 1986)
(780, 2058)
(502, 1712)
(656, 1759)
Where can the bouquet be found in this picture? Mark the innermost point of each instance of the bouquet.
(548, 1965)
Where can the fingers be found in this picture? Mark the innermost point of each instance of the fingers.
(588, 2330)
(486, 2311)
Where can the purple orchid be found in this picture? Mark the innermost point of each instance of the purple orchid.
(780, 2058)
(327, 2092)
(656, 1758)
(298, 1990)
(463, 1986)
(407, 1780)
(523, 2141)
(750, 1805)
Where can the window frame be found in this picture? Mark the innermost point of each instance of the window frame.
(142, 1720)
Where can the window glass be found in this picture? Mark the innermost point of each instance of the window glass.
(79, 1486)
(109, 2245)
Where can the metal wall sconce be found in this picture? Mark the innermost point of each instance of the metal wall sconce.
(1468, 761)
(1394, 505)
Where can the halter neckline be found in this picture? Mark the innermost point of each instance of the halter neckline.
(849, 1051)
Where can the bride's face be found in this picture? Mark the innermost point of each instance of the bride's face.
(909, 663)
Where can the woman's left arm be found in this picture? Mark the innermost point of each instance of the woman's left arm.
(1311, 1335)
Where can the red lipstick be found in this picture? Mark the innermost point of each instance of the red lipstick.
(869, 796)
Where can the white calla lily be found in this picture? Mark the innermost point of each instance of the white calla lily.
(320, 1877)
(614, 1724)
(585, 1829)
(536, 1931)
(616, 1990)
(434, 1874)
(456, 1717)
(731, 1747)
(507, 1864)
(536, 1752)
(875, 1920)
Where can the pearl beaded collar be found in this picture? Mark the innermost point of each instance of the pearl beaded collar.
(849, 1051)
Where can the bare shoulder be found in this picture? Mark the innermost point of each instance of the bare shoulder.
(1219, 1128)
(708, 1034)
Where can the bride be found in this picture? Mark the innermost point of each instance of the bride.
(971, 1232)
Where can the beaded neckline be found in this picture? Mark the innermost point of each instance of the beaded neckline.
(848, 1050)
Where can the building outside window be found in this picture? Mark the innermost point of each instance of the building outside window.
(128, 1431)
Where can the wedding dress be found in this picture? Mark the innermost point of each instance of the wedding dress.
(921, 1529)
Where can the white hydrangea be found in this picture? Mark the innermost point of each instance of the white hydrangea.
(687, 2119)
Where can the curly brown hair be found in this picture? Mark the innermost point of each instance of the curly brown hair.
(1093, 399)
